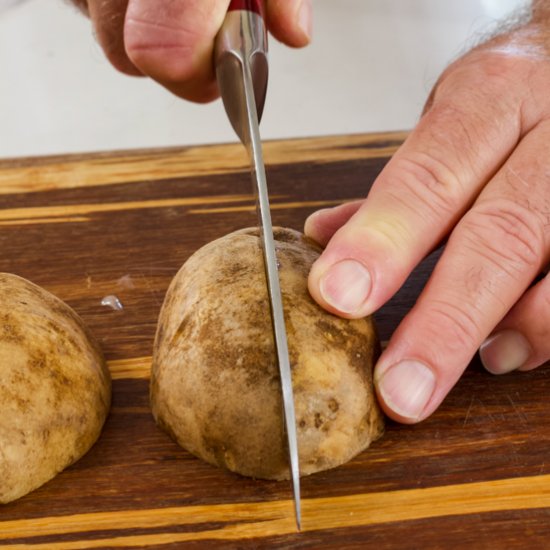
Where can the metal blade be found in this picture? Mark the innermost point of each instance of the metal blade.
(272, 275)
(241, 69)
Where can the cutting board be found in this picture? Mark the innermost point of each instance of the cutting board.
(474, 475)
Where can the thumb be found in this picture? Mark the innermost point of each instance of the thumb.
(290, 21)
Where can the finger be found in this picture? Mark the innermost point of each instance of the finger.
(291, 21)
(419, 196)
(108, 21)
(173, 42)
(321, 225)
(492, 256)
(522, 340)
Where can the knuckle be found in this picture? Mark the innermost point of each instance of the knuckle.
(482, 72)
(507, 234)
(423, 178)
(460, 327)
(469, 87)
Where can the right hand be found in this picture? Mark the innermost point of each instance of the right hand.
(172, 41)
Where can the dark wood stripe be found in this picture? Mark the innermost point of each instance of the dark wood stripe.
(415, 484)
(236, 522)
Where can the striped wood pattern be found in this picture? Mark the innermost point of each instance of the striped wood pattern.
(86, 226)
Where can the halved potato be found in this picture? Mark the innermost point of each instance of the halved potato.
(55, 388)
(215, 383)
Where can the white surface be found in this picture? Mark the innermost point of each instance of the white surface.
(370, 68)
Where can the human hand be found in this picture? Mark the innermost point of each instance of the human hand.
(475, 170)
(172, 41)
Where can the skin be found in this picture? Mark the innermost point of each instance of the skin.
(171, 41)
(475, 172)
(472, 173)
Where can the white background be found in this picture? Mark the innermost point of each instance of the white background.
(369, 68)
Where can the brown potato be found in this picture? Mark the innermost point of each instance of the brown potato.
(55, 388)
(215, 384)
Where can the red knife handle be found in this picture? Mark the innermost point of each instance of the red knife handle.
(249, 5)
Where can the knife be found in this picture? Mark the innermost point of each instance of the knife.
(241, 71)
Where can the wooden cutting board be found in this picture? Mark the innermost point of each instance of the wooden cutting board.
(474, 475)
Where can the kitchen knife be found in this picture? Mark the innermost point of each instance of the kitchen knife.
(242, 71)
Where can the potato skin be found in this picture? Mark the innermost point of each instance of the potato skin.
(215, 384)
(55, 388)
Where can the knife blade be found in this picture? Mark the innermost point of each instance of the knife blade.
(242, 71)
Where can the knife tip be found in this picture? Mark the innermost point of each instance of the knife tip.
(298, 515)
(298, 521)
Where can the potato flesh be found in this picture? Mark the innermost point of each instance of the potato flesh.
(54, 387)
(215, 383)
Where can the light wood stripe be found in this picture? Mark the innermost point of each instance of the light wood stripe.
(68, 219)
(136, 367)
(273, 206)
(192, 161)
(268, 519)
(41, 212)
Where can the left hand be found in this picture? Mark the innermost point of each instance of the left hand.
(476, 169)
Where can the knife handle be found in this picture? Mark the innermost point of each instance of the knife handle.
(241, 47)
(255, 6)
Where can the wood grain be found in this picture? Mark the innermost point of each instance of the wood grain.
(275, 517)
(88, 226)
(27, 175)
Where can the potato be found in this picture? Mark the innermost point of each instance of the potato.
(55, 389)
(215, 384)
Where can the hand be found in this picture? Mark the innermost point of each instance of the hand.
(476, 170)
(172, 41)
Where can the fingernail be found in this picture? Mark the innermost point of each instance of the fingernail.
(504, 351)
(346, 286)
(406, 388)
(305, 18)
